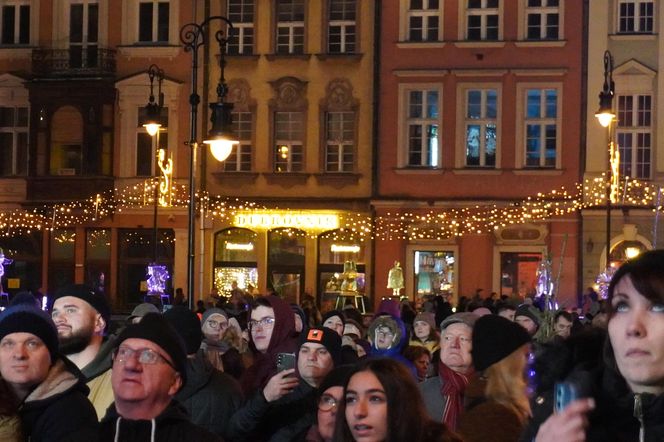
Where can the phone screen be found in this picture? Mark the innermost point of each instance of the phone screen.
(565, 392)
(285, 361)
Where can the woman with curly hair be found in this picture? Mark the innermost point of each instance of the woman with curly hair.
(382, 403)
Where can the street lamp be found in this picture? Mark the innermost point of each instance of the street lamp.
(152, 121)
(606, 116)
(221, 138)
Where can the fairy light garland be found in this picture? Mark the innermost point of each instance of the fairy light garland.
(412, 224)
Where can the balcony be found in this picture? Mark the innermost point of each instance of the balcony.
(66, 188)
(76, 61)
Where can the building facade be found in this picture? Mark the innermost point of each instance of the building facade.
(480, 109)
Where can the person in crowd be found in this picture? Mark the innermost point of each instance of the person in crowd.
(506, 310)
(311, 312)
(424, 332)
(50, 392)
(300, 319)
(200, 308)
(214, 324)
(335, 320)
(209, 396)
(562, 324)
(444, 394)
(141, 310)
(496, 399)
(272, 331)
(624, 397)
(420, 357)
(442, 306)
(374, 407)
(284, 409)
(331, 395)
(10, 423)
(351, 350)
(408, 313)
(528, 317)
(82, 316)
(389, 338)
(149, 368)
(26, 298)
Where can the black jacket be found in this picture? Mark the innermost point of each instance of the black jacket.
(172, 425)
(209, 396)
(286, 419)
(58, 409)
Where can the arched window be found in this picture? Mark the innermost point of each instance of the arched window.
(286, 262)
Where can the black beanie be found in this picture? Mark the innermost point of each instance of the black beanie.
(154, 328)
(337, 377)
(25, 318)
(333, 313)
(495, 338)
(186, 323)
(96, 300)
(326, 337)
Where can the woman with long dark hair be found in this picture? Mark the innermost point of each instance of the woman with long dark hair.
(382, 403)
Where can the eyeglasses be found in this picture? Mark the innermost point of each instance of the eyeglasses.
(145, 356)
(266, 322)
(384, 334)
(327, 403)
(214, 324)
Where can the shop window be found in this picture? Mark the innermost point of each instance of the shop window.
(341, 265)
(97, 258)
(61, 259)
(286, 262)
(235, 260)
(518, 273)
(24, 273)
(136, 249)
(434, 272)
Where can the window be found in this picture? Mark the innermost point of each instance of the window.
(423, 20)
(542, 19)
(235, 259)
(541, 129)
(241, 14)
(290, 27)
(153, 18)
(340, 141)
(342, 27)
(636, 16)
(240, 158)
(289, 149)
(481, 134)
(634, 135)
(15, 23)
(146, 146)
(13, 141)
(84, 35)
(422, 128)
(482, 20)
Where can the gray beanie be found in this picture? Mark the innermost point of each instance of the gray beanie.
(466, 318)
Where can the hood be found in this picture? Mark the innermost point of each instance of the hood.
(62, 377)
(396, 326)
(102, 362)
(199, 372)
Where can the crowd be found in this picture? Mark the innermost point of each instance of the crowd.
(266, 370)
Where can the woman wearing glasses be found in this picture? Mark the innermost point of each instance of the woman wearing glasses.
(382, 403)
(331, 395)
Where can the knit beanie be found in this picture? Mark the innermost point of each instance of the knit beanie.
(466, 318)
(142, 309)
(154, 328)
(427, 317)
(96, 300)
(337, 377)
(333, 313)
(529, 311)
(213, 311)
(24, 318)
(186, 324)
(495, 338)
(326, 337)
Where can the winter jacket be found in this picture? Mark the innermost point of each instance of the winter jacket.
(10, 429)
(485, 419)
(285, 419)
(172, 425)
(58, 409)
(98, 375)
(434, 401)
(209, 396)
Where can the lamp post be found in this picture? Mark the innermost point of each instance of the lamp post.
(606, 116)
(221, 138)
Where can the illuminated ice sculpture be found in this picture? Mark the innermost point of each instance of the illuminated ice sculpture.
(157, 277)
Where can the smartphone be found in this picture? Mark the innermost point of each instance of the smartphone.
(285, 361)
(564, 393)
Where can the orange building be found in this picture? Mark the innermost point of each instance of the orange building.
(481, 106)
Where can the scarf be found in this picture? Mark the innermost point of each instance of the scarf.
(453, 386)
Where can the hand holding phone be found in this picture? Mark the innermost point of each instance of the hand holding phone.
(564, 393)
(285, 361)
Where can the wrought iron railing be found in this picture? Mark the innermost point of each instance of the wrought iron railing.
(74, 61)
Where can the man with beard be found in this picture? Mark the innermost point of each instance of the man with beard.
(82, 316)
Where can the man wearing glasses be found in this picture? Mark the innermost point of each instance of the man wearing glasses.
(149, 367)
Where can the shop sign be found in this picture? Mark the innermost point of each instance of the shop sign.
(299, 220)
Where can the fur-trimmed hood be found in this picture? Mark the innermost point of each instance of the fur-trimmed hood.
(62, 377)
